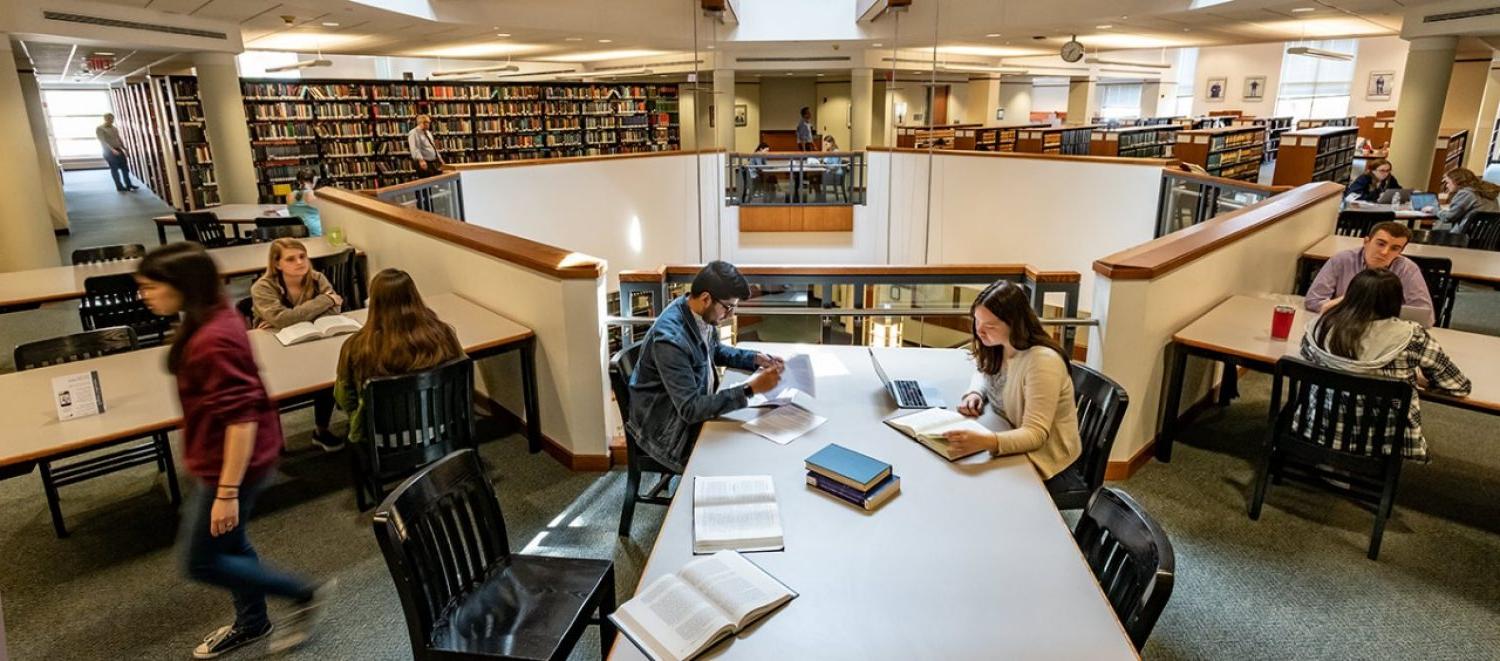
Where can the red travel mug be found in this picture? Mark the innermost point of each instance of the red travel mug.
(1281, 321)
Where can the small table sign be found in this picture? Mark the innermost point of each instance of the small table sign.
(77, 395)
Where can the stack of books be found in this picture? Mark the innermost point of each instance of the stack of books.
(854, 478)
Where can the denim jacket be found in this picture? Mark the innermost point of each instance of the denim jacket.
(669, 396)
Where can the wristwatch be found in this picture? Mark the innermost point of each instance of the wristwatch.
(749, 392)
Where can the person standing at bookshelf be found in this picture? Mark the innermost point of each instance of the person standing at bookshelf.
(231, 440)
(805, 132)
(114, 153)
(1023, 376)
(424, 153)
(675, 387)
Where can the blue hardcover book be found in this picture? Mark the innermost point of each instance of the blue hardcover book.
(848, 467)
(877, 496)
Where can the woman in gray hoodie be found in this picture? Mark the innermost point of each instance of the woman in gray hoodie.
(1365, 334)
(1467, 195)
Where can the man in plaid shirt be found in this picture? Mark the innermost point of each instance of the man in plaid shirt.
(1389, 347)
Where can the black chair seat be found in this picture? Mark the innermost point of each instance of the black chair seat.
(524, 610)
(1070, 490)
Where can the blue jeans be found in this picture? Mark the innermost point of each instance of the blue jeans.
(229, 562)
(118, 169)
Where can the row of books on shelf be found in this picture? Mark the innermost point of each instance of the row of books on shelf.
(1344, 141)
(1227, 158)
(1335, 159)
(1133, 139)
(1219, 142)
(295, 151)
(1248, 170)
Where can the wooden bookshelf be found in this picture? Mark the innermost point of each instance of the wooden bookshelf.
(1452, 144)
(355, 130)
(1376, 130)
(955, 136)
(1274, 126)
(1135, 141)
(1226, 113)
(1319, 123)
(161, 123)
(1001, 138)
(1233, 152)
(1066, 140)
(1320, 154)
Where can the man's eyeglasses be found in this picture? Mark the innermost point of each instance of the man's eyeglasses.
(729, 308)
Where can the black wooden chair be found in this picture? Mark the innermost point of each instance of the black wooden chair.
(115, 300)
(342, 271)
(621, 366)
(1130, 556)
(1358, 223)
(136, 452)
(204, 228)
(108, 253)
(246, 308)
(269, 234)
(465, 595)
(411, 421)
(1441, 285)
(1483, 230)
(1101, 406)
(1336, 430)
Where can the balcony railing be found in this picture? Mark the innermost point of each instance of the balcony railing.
(1188, 198)
(440, 194)
(788, 178)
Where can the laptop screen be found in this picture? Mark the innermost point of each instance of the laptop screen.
(1423, 200)
(880, 372)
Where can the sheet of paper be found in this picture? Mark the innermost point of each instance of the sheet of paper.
(796, 376)
(785, 424)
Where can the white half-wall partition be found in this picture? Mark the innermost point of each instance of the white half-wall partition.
(556, 293)
(1144, 295)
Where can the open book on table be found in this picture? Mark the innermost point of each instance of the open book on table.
(927, 427)
(319, 328)
(680, 615)
(735, 512)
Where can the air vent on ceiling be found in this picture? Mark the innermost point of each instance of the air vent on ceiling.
(130, 25)
(844, 58)
(1461, 15)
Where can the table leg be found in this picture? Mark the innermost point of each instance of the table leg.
(529, 396)
(161, 233)
(1229, 385)
(1174, 402)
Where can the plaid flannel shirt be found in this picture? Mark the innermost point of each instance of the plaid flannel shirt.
(1422, 353)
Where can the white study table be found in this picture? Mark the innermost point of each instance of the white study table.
(141, 396)
(233, 215)
(971, 560)
(25, 289)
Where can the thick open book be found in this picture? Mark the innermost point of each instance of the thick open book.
(322, 327)
(928, 426)
(680, 615)
(737, 513)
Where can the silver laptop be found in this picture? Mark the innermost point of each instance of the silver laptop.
(1395, 195)
(908, 394)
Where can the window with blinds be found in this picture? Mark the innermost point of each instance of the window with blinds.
(1315, 87)
(1119, 100)
(1187, 71)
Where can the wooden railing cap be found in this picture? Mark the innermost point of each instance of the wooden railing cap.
(487, 165)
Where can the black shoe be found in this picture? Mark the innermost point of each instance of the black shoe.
(133, 188)
(120, 190)
(328, 441)
(227, 639)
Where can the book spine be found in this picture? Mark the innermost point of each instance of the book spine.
(846, 490)
(857, 501)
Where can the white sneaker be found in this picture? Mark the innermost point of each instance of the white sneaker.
(298, 627)
(226, 639)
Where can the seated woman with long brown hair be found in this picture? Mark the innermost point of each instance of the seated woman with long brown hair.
(401, 335)
(1023, 376)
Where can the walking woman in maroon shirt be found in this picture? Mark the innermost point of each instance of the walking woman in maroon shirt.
(231, 439)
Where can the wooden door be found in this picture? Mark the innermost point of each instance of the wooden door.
(938, 102)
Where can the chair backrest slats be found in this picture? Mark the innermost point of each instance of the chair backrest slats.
(1438, 274)
(414, 419)
(1483, 230)
(108, 253)
(1101, 407)
(75, 347)
(340, 269)
(115, 300)
(202, 227)
(1358, 223)
(1357, 414)
(1131, 558)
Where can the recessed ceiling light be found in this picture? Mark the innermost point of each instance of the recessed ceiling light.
(1103, 27)
(330, 24)
(992, 35)
(1302, 10)
(606, 41)
(502, 35)
(877, 45)
(710, 46)
(574, 39)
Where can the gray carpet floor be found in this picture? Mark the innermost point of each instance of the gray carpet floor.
(1295, 584)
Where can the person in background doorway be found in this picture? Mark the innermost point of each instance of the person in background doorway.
(114, 153)
(299, 202)
(231, 439)
(1467, 195)
(291, 292)
(1382, 250)
(1376, 179)
(1023, 376)
(805, 132)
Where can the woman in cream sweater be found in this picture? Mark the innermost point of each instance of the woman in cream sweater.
(1023, 376)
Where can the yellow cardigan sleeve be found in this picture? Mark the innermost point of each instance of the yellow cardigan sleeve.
(1042, 385)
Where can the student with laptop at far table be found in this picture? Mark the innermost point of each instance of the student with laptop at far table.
(1022, 375)
(675, 387)
(1381, 250)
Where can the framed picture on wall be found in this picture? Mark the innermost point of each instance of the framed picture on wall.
(1214, 88)
(1255, 88)
(741, 114)
(1382, 83)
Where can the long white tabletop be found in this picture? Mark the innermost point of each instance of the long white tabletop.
(141, 396)
(1468, 264)
(969, 561)
(1241, 327)
(61, 283)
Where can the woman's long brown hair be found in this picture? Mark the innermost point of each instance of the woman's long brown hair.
(1465, 178)
(187, 268)
(1008, 302)
(401, 334)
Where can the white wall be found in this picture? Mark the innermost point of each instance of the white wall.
(832, 111)
(1376, 54)
(1047, 95)
(748, 136)
(1139, 317)
(1235, 63)
(635, 213)
(782, 98)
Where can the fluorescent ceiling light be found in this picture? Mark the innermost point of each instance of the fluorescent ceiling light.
(1126, 63)
(982, 69)
(1103, 27)
(617, 74)
(987, 51)
(475, 70)
(992, 35)
(330, 24)
(595, 56)
(573, 39)
(1319, 53)
(1330, 27)
(304, 42)
(476, 50)
(305, 64)
(1301, 10)
(502, 35)
(1123, 40)
(1204, 4)
(552, 72)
